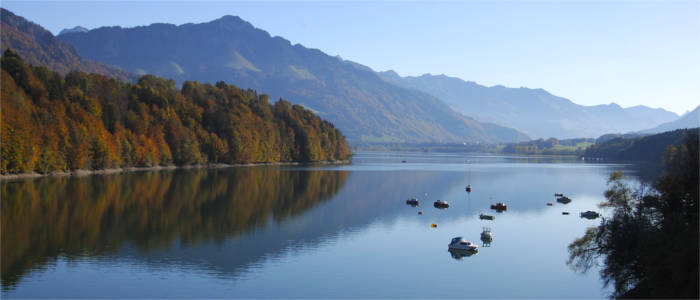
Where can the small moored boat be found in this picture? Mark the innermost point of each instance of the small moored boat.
(441, 204)
(486, 217)
(499, 206)
(590, 214)
(412, 202)
(468, 188)
(486, 235)
(564, 200)
(458, 243)
(558, 195)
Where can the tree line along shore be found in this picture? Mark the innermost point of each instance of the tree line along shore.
(56, 124)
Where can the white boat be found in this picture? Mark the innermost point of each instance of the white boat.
(486, 235)
(459, 243)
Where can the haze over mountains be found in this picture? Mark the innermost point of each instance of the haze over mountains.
(690, 119)
(533, 111)
(359, 102)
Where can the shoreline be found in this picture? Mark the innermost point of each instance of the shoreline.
(82, 172)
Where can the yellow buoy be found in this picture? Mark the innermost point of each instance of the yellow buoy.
(433, 225)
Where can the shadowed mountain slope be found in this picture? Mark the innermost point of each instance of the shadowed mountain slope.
(38, 46)
(366, 108)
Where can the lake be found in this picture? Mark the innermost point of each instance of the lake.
(305, 231)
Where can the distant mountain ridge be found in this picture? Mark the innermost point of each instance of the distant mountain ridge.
(38, 46)
(366, 108)
(533, 111)
(74, 29)
(688, 120)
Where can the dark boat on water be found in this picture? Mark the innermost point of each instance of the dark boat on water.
(590, 215)
(468, 188)
(412, 202)
(486, 217)
(564, 200)
(500, 206)
(441, 204)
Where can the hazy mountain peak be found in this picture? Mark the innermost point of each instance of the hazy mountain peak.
(696, 110)
(231, 20)
(77, 29)
(690, 119)
(391, 73)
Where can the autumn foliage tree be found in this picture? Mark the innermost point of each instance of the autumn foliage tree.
(88, 121)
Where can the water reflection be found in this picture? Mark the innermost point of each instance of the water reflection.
(93, 216)
(459, 254)
(246, 230)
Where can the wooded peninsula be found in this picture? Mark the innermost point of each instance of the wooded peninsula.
(86, 121)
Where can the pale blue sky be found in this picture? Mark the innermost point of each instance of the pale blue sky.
(593, 52)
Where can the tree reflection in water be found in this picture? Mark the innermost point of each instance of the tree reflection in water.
(91, 216)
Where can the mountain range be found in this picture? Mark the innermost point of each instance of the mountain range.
(690, 119)
(368, 106)
(534, 111)
(364, 107)
(38, 46)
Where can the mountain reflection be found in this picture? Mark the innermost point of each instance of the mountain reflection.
(97, 215)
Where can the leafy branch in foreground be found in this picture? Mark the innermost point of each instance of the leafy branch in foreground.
(650, 243)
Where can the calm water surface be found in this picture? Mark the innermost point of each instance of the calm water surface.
(304, 232)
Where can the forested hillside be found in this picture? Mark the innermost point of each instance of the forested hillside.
(549, 146)
(89, 121)
(649, 148)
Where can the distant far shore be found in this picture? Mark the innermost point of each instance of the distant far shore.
(81, 172)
